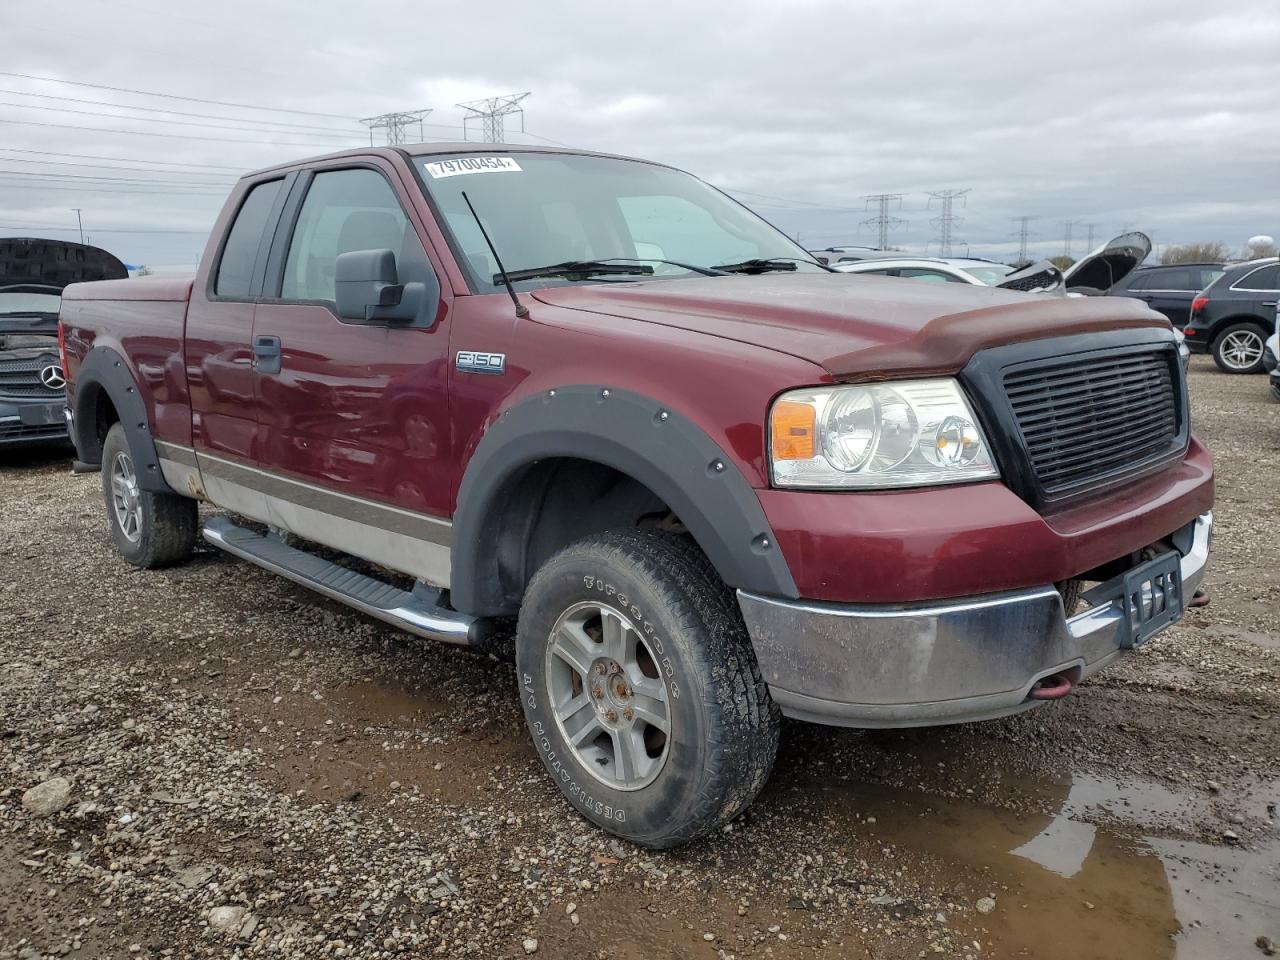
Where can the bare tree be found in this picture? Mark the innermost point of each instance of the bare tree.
(1212, 252)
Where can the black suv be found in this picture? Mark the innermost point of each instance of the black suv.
(1235, 314)
(1169, 288)
(32, 386)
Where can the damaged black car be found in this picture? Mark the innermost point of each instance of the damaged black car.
(33, 273)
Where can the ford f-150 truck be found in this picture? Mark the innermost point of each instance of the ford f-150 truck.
(716, 482)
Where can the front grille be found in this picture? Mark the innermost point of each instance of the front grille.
(20, 378)
(1088, 419)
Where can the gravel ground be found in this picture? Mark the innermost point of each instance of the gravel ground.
(243, 769)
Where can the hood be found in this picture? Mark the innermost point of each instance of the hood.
(1110, 263)
(1041, 277)
(853, 326)
(27, 261)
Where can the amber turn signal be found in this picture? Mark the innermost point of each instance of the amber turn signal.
(793, 429)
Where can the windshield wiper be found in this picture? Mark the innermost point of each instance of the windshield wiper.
(705, 271)
(758, 265)
(575, 269)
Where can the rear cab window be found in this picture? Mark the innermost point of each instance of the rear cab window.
(234, 279)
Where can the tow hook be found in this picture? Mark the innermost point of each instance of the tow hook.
(1053, 687)
(1199, 599)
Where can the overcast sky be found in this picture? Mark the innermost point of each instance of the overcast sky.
(1165, 119)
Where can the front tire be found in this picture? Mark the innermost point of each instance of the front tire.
(1239, 349)
(149, 529)
(641, 689)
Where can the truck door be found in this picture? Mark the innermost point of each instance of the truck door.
(353, 417)
(217, 345)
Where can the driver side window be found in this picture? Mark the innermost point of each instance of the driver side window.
(346, 210)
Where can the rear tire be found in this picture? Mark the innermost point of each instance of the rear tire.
(149, 529)
(620, 635)
(1239, 348)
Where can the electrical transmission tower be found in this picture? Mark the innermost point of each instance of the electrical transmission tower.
(883, 221)
(1023, 234)
(491, 111)
(946, 221)
(1067, 227)
(1088, 245)
(395, 124)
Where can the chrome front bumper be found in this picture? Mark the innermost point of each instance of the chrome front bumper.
(948, 662)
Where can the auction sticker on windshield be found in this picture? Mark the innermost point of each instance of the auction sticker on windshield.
(453, 168)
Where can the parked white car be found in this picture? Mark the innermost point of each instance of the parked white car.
(986, 273)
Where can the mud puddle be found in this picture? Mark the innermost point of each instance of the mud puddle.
(1079, 866)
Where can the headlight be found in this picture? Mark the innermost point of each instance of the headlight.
(899, 434)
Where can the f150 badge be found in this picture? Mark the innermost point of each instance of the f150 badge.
(473, 361)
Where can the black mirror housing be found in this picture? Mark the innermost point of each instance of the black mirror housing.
(367, 289)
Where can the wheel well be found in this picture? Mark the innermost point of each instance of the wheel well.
(93, 433)
(1248, 318)
(552, 503)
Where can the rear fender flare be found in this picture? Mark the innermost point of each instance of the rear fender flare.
(105, 371)
(637, 436)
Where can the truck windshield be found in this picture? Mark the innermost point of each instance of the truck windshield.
(548, 208)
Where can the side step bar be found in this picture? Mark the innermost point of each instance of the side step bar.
(418, 612)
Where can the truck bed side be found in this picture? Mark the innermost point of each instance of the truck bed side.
(122, 334)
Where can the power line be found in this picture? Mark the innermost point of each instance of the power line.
(537, 137)
(137, 192)
(101, 166)
(91, 156)
(47, 226)
(178, 123)
(947, 221)
(173, 96)
(167, 136)
(798, 203)
(81, 176)
(883, 221)
(491, 111)
(178, 113)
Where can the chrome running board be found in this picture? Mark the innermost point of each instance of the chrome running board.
(419, 611)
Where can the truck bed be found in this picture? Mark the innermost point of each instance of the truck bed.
(141, 319)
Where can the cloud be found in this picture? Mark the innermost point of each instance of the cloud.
(1162, 118)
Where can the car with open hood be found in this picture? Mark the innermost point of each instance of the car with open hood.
(33, 274)
(1091, 275)
(710, 480)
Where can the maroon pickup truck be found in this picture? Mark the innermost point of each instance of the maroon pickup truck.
(716, 482)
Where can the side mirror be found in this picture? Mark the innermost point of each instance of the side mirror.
(367, 288)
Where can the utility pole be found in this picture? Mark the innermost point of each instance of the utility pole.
(883, 221)
(490, 112)
(1067, 226)
(79, 223)
(1023, 234)
(395, 124)
(947, 221)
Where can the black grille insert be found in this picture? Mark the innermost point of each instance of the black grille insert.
(1087, 419)
(20, 377)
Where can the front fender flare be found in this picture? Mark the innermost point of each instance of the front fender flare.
(105, 371)
(637, 436)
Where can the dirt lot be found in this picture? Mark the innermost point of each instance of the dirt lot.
(233, 741)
